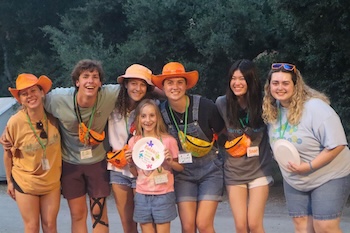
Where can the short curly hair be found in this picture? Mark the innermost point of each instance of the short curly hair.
(86, 64)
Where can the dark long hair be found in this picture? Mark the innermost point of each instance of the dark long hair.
(123, 103)
(253, 96)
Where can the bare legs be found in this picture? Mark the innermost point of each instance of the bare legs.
(79, 211)
(124, 199)
(199, 216)
(44, 207)
(248, 206)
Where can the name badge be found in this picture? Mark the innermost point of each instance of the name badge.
(86, 153)
(252, 151)
(45, 164)
(161, 179)
(185, 158)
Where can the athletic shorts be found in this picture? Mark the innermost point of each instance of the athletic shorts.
(80, 179)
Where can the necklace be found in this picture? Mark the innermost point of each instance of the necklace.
(179, 116)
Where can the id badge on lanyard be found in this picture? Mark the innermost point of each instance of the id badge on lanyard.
(185, 158)
(86, 152)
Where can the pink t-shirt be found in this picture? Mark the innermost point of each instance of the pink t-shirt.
(145, 182)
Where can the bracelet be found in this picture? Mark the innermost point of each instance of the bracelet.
(311, 168)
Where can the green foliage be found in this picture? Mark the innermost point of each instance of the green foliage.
(22, 41)
(82, 35)
(316, 38)
(50, 37)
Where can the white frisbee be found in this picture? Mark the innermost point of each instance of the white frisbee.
(285, 152)
(148, 153)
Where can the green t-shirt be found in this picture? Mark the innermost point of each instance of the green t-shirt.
(59, 102)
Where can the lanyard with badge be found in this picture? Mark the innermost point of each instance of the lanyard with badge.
(283, 127)
(252, 151)
(183, 157)
(86, 151)
(44, 161)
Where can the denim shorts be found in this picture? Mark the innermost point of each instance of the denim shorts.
(200, 180)
(119, 178)
(323, 203)
(154, 208)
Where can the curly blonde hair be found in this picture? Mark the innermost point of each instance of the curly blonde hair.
(301, 94)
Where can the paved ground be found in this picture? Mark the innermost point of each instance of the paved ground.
(276, 218)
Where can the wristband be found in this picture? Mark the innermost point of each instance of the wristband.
(311, 168)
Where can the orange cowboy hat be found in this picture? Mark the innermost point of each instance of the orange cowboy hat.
(137, 71)
(174, 70)
(24, 81)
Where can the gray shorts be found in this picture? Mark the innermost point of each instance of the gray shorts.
(200, 180)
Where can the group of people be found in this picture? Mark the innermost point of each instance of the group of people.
(79, 141)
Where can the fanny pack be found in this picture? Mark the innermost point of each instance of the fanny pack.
(238, 146)
(117, 158)
(93, 138)
(196, 146)
(87, 135)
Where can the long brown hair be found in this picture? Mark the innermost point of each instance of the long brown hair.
(123, 102)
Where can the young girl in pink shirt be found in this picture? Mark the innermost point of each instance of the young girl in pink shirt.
(154, 199)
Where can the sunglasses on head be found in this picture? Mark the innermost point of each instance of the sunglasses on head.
(40, 126)
(286, 66)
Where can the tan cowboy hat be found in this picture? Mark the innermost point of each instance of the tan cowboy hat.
(137, 71)
(174, 70)
(24, 81)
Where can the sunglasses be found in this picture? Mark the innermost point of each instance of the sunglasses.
(286, 66)
(40, 126)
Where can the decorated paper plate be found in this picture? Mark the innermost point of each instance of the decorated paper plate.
(148, 153)
(284, 152)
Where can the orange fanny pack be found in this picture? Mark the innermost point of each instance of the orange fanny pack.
(117, 158)
(238, 146)
(93, 138)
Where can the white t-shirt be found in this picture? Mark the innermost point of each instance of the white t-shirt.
(118, 133)
(320, 127)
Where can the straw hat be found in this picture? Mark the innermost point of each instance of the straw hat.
(137, 71)
(175, 70)
(24, 81)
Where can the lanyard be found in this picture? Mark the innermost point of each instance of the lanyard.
(43, 146)
(246, 119)
(78, 114)
(186, 116)
(284, 126)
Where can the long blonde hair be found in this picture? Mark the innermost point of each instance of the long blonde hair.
(302, 93)
(160, 128)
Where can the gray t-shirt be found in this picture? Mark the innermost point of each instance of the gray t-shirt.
(319, 128)
(59, 102)
(243, 170)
